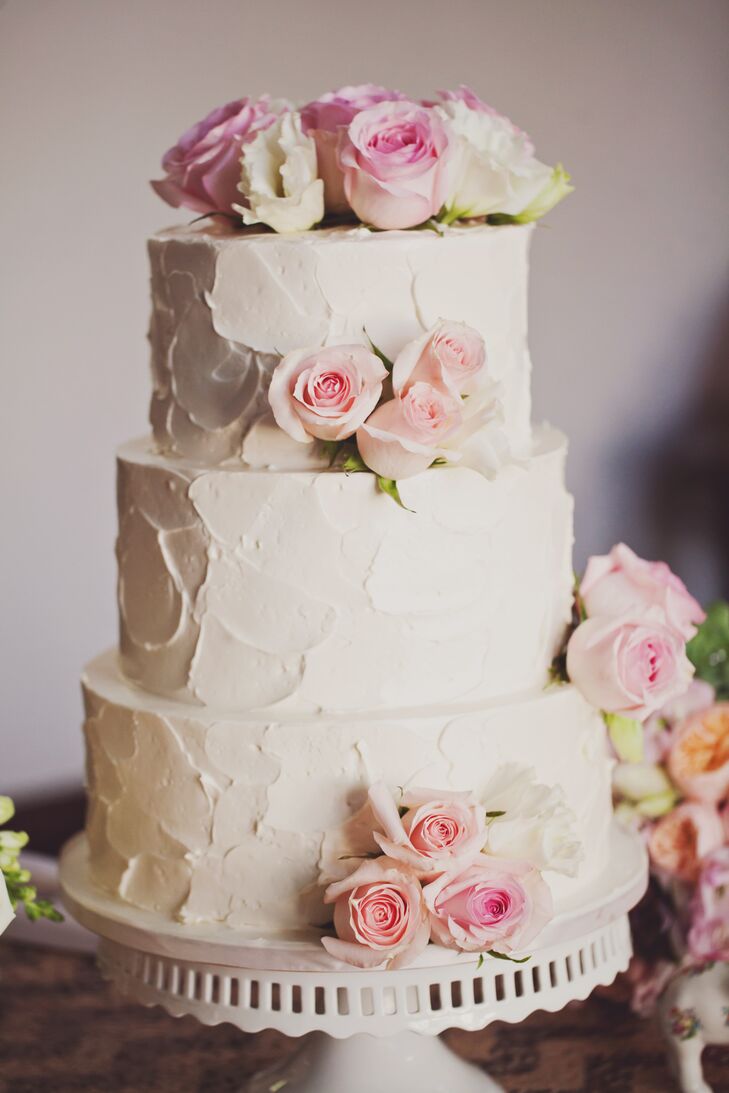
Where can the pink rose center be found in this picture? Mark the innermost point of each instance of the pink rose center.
(329, 391)
(455, 357)
(435, 833)
(378, 913)
(645, 663)
(484, 905)
(427, 412)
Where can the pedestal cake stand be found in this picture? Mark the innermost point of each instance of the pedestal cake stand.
(376, 1032)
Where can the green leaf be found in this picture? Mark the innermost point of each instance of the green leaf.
(480, 963)
(708, 651)
(378, 352)
(7, 809)
(354, 463)
(627, 737)
(512, 959)
(495, 813)
(389, 486)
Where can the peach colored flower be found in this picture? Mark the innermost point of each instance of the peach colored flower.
(682, 838)
(439, 831)
(379, 916)
(699, 757)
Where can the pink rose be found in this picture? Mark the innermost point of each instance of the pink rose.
(621, 582)
(439, 831)
(698, 760)
(708, 937)
(203, 168)
(626, 665)
(325, 393)
(379, 916)
(451, 356)
(682, 838)
(493, 904)
(394, 158)
(323, 118)
(402, 437)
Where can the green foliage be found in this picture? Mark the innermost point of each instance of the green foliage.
(389, 486)
(354, 463)
(708, 651)
(17, 879)
(378, 353)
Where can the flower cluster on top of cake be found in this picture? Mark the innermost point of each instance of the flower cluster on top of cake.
(363, 153)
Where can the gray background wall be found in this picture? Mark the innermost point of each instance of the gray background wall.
(629, 278)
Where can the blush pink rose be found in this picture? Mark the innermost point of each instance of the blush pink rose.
(380, 916)
(394, 157)
(626, 665)
(698, 760)
(325, 393)
(203, 168)
(451, 356)
(708, 936)
(492, 904)
(682, 838)
(439, 831)
(323, 118)
(403, 436)
(621, 582)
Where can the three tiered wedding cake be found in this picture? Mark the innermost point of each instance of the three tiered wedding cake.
(345, 555)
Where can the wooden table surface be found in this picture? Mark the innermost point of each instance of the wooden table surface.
(62, 1030)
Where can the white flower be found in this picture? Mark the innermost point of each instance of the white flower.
(537, 826)
(494, 169)
(279, 178)
(7, 914)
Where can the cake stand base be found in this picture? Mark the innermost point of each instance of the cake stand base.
(365, 1064)
(380, 1027)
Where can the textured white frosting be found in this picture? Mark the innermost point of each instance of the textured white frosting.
(226, 304)
(214, 818)
(306, 591)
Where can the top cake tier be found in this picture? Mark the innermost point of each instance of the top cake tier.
(227, 304)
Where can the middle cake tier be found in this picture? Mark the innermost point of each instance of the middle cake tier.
(306, 590)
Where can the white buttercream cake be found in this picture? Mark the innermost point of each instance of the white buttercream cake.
(289, 635)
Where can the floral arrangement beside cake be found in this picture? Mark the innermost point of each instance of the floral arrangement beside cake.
(16, 888)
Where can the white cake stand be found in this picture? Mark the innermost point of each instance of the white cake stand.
(377, 1032)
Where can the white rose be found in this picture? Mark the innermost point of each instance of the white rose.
(7, 914)
(537, 826)
(494, 168)
(279, 178)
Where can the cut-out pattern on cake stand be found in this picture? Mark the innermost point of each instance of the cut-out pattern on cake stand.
(375, 1030)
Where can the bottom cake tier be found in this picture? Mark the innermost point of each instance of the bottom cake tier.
(208, 817)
